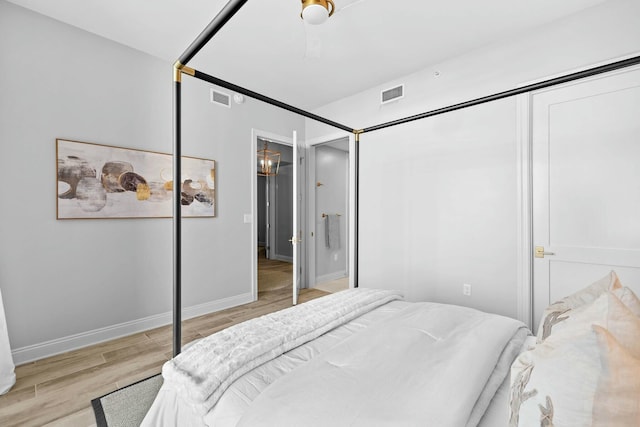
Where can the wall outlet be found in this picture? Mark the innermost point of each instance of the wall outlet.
(466, 289)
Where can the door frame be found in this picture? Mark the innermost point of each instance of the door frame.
(524, 146)
(253, 217)
(311, 202)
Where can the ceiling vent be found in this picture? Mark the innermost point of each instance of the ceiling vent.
(392, 94)
(220, 98)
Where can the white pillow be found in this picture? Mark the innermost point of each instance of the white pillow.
(556, 312)
(559, 378)
(556, 382)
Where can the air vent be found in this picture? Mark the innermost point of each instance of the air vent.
(392, 94)
(220, 98)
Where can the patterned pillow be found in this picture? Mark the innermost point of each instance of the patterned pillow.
(557, 312)
(607, 311)
(617, 398)
(556, 383)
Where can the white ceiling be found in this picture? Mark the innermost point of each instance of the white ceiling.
(267, 48)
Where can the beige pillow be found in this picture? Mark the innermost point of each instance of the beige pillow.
(606, 311)
(629, 299)
(557, 312)
(617, 398)
(557, 381)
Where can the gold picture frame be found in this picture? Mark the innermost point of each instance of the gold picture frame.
(104, 181)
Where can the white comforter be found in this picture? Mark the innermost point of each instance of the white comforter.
(431, 365)
(399, 364)
(204, 371)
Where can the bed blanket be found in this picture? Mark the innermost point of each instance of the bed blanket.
(428, 365)
(204, 371)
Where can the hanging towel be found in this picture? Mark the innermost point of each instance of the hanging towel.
(7, 375)
(332, 231)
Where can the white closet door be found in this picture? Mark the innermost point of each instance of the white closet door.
(586, 184)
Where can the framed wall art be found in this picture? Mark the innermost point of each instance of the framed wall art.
(102, 181)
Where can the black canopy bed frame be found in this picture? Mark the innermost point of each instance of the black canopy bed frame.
(180, 67)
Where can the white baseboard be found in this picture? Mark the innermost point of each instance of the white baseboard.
(281, 258)
(330, 277)
(72, 342)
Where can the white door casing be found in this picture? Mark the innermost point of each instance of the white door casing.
(312, 232)
(585, 148)
(298, 189)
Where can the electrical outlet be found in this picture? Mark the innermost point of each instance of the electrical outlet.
(466, 289)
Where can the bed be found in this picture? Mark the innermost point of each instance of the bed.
(365, 357)
(384, 361)
(358, 357)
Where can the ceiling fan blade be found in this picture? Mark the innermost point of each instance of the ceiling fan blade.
(313, 40)
(348, 5)
(314, 34)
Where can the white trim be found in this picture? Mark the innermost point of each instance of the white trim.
(576, 70)
(351, 268)
(328, 138)
(281, 258)
(311, 220)
(330, 277)
(525, 210)
(72, 342)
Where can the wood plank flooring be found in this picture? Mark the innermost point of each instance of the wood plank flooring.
(57, 391)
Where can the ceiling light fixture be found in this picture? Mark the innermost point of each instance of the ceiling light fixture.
(268, 161)
(316, 12)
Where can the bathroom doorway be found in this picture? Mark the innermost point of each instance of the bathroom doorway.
(330, 214)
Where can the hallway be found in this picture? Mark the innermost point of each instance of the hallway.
(273, 275)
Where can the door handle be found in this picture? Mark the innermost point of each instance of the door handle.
(295, 240)
(540, 252)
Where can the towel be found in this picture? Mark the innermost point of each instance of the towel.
(332, 231)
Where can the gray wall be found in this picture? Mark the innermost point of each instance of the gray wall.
(332, 166)
(72, 283)
(439, 197)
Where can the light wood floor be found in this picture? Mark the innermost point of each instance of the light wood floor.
(57, 391)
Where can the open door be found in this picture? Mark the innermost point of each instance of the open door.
(296, 239)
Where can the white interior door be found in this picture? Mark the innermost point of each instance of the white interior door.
(296, 239)
(586, 185)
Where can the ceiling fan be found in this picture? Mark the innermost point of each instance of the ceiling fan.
(316, 12)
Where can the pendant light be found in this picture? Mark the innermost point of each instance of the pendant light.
(268, 161)
(316, 12)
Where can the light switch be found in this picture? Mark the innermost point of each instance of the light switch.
(248, 218)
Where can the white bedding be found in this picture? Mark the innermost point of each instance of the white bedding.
(417, 385)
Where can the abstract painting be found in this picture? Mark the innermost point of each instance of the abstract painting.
(102, 181)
